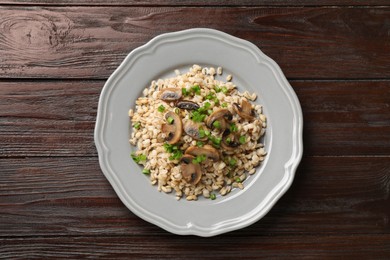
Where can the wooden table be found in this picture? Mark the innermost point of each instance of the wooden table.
(55, 56)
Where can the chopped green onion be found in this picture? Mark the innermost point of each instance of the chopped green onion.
(176, 153)
(217, 124)
(228, 140)
(207, 132)
(215, 140)
(177, 110)
(217, 88)
(224, 90)
(196, 116)
(196, 89)
(216, 101)
(199, 143)
(200, 114)
(211, 96)
(138, 158)
(224, 105)
(199, 158)
(146, 171)
(242, 139)
(232, 162)
(212, 196)
(137, 125)
(184, 91)
(161, 108)
(201, 132)
(170, 120)
(238, 180)
(233, 128)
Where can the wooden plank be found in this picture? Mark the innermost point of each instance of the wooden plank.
(259, 246)
(201, 2)
(71, 197)
(90, 42)
(56, 118)
(337, 122)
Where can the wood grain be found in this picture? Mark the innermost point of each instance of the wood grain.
(55, 56)
(71, 197)
(90, 42)
(56, 118)
(257, 246)
(201, 2)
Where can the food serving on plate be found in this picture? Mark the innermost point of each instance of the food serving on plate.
(197, 135)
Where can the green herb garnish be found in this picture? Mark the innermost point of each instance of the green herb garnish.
(146, 171)
(176, 153)
(215, 140)
(137, 125)
(196, 89)
(212, 196)
(170, 120)
(242, 139)
(233, 128)
(225, 90)
(196, 116)
(138, 158)
(200, 114)
(184, 92)
(199, 158)
(217, 124)
(161, 108)
(201, 132)
(232, 162)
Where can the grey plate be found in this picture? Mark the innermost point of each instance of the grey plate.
(252, 71)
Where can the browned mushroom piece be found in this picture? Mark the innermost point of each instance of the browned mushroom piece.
(221, 115)
(174, 129)
(230, 141)
(188, 105)
(245, 110)
(170, 94)
(207, 150)
(192, 128)
(191, 172)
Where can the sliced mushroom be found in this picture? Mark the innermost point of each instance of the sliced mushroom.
(230, 141)
(188, 105)
(191, 172)
(207, 150)
(221, 115)
(173, 131)
(170, 94)
(192, 129)
(245, 110)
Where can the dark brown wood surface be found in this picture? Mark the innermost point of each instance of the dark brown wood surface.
(54, 59)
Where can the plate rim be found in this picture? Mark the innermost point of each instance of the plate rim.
(290, 166)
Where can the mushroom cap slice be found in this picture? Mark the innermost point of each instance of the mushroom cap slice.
(207, 150)
(245, 110)
(188, 105)
(192, 129)
(173, 131)
(232, 144)
(220, 115)
(191, 172)
(170, 94)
